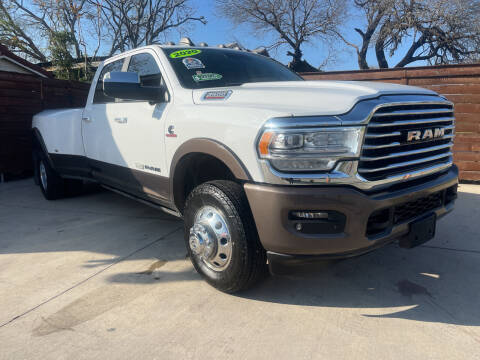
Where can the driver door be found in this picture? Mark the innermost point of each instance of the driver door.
(125, 138)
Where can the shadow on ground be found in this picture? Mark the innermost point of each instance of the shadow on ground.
(437, 282)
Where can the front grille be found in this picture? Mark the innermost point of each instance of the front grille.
(387, 153)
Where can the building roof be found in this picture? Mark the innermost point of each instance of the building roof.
(93, 62)
(10, 56)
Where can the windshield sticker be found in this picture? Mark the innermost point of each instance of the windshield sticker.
(193, 63)
(217, 95)
(184, 53)
(206, 77)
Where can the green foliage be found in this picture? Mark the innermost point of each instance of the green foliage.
(66, 67)
(87, 75)
(61, 43)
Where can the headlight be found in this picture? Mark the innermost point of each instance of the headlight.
(310, 149)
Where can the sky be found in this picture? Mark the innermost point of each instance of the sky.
(219, 30)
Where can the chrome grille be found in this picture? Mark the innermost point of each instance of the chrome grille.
(386, 152)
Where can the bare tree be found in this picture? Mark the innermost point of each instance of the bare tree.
(132, 23)
(295, 22)
(374, 12)
(65, 31)
(443, 31)
(28, 27)
(71, 11)
(14, 34)
(436, 31)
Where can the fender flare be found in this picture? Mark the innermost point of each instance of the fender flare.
(37, 138)
(212, 148)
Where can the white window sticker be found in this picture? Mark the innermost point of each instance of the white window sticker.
(206, 77)
(193, 63)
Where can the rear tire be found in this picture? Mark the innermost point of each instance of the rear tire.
(221, 237)
(51, 184)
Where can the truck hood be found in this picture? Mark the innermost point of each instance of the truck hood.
(303, 98)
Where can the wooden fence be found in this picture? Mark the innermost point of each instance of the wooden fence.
(22, 96)
(459, 83)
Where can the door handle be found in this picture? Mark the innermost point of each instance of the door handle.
(121, 120)
(86, 119)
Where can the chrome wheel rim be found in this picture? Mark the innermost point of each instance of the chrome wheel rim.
(210, 238)
(43, 175)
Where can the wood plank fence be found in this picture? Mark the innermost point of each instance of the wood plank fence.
(21, 97)
(458, 83)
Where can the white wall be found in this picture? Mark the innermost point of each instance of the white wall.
(6, 65)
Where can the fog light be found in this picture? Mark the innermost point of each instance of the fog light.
(310, 214)
(316, 222)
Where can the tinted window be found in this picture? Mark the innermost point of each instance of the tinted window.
(204, 68)
(100, 97)
(146, 67)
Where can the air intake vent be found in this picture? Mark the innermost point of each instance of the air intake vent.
(405, 138)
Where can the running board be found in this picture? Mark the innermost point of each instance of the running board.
(146, 202)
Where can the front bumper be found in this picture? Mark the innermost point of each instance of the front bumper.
(395, 209)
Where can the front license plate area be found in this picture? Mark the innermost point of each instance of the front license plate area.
(421, 231)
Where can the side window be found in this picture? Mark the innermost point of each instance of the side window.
(146, 67)
(100, 97)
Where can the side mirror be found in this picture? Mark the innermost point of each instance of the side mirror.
(126, 85)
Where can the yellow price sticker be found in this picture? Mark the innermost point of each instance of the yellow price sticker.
(184, 53)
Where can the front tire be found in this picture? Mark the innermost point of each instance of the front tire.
(221, 237)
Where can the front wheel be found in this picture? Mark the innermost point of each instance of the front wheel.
(221, 237)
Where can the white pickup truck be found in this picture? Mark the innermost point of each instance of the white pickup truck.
(263, 167)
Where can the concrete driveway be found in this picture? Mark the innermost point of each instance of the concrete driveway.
(101, 276)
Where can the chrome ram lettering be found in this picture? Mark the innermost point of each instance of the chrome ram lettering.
(426, 134)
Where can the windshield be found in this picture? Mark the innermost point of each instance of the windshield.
(207, 68)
